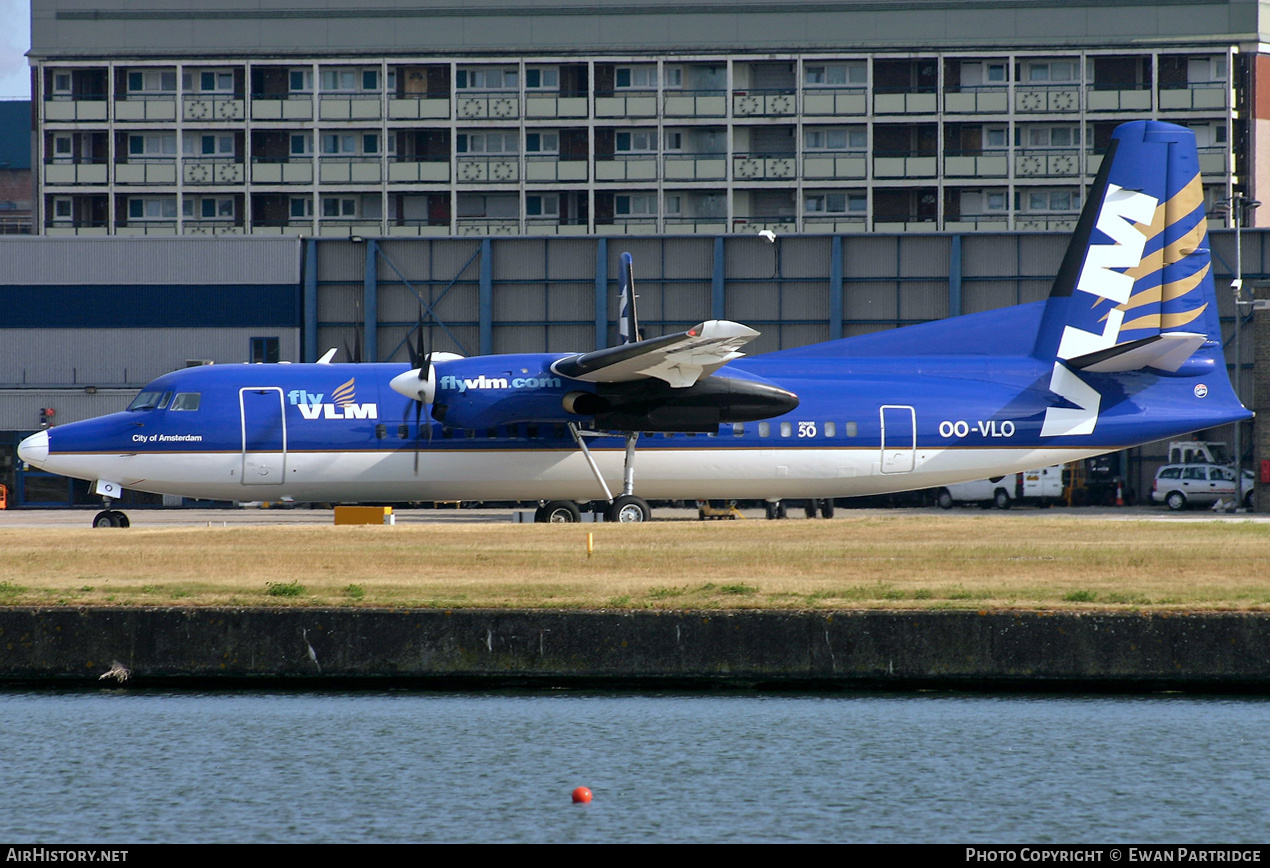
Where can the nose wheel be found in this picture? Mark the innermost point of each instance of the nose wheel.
(111, 518)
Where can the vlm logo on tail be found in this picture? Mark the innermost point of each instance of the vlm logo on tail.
(343, 404)
(1143, 248)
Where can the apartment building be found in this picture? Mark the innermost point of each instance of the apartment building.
(510, 119)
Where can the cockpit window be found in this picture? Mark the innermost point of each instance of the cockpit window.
(185, 401)
(150, 401)
(146, 401)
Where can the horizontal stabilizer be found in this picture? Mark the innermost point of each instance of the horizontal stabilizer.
(679, 359)
(1164, 352)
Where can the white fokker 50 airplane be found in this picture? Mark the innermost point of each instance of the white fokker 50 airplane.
(1126, 350)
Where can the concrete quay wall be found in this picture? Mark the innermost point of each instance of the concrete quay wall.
(500, 648)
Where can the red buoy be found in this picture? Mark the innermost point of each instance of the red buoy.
(581, 796)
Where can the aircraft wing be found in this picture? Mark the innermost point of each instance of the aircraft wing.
(679, 359)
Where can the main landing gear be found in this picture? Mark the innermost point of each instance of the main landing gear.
(626, 507)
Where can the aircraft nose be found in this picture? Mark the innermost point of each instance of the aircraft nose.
(35, 449)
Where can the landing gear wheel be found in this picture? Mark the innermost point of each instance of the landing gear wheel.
(826, 508)
(776, 510)
(628, 508)
(944, 499)
(107, 518)
(121, 520)
(1001, 499)
(810, 508)
(558, 512)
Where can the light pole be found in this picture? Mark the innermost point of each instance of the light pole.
(1238, 207)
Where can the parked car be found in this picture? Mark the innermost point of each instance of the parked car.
(1181, 485)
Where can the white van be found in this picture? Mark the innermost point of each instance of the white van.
(1041, 486)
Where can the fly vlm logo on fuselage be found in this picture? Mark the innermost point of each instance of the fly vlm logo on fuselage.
(343, 404)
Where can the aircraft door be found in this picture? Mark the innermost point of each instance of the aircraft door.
(264, 425)
(899, 438)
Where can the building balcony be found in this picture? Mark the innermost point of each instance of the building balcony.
(272, 107)
(832, 165)
(212, 107)
(488, 226)
(547, 169)
(924, 102)
(345, 170)
(758, 103)
(554, 226)
(159, 171)
(349, 107)
(206, 170)
(345, 227)
(626, 225)
(552, 105)
(76, 173)
(978, 223)
(78, 227)
(696, 225)
(695, 167)
(897, 224)
(1046, 163)
(764, 167)
(155, 108)
(632, 167)
(695, 104)
(212, 227)
(1048, 98)
(419, 229)
(282, 171)
(82, 108)
(635, 104)
(835, 223)
(470, 169)
(419, 172)
(992, 164)
(835, 101)
(781, 224)
(905, 166)
(1034, 222)
(496, 105)
(147, 227)
(1118, 98)
(982, 100)
(1201, 96)
(287, 227)
(418, 108)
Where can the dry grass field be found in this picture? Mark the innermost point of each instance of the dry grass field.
(960, 561)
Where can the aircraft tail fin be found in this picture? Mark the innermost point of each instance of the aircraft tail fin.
(628, 321)
(1135, 289)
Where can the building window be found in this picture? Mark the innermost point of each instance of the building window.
(62, 83)
(63, 210)
(153, 82)
(835, 139)
(635, 205)
(265, 351)
(208, 81)
(1061, 136)
(836, 74)
(487, 78)
(208, 144)
(636, 77)
(301, 144)
(335, 206)
(542, 143)
(542, 78)
(637, 141)
(543, 206)
(300, 80)
(152, 208)
(63, 149)
(301, 207)
(151, 145)
(1052, 71)
(488, 143)
(1047, 201)
(208, 207)
(835, 203)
